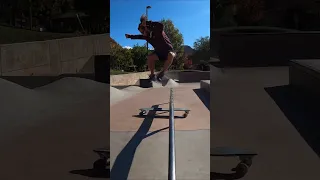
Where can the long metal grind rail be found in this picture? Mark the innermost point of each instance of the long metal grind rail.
(172, 150)
(172, 153)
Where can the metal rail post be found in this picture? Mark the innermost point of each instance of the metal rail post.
(172, 156)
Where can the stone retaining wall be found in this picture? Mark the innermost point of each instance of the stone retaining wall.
(53, 57)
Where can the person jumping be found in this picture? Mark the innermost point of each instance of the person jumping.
(153, 33)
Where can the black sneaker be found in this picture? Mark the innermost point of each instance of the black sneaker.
(160, 76)
(152, 77)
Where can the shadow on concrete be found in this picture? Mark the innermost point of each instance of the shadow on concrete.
(302, 110)
(123, 161)
(32, 82)
(204, 96)
(92, 173)
(120, 87)
(156, 131)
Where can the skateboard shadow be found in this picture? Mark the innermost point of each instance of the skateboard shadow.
(203, 96)
(123, 161)
(92, 173)
(301, 109)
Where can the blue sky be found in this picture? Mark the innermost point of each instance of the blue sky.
(191, 17)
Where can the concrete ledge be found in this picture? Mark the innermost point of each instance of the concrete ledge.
(205, 85)
(128, 79)
(263, 49)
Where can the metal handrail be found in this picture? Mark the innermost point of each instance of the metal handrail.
(172, 156)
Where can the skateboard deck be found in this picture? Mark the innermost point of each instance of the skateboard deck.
(227, 151)
(163, 81)
(101, 151)
(158, 83)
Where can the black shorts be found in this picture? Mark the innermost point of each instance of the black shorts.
(163, 56)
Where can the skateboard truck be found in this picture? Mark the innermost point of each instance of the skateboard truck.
(104, 162)
(144, 111)
(242, 167)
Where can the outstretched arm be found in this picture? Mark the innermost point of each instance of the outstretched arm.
(135, 36)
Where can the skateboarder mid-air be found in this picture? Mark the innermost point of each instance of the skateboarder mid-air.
(153, 33)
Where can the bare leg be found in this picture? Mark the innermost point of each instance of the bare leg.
(151, 66)
(151, 60)
(166, 65)
(168, 62)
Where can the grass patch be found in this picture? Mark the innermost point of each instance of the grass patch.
(118, 72)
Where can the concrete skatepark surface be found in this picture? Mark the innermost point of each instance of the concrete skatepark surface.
(139, 145)
(50, 132)
(245, 115)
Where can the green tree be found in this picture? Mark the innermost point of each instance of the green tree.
(202, 50)
(121, 58)
(176, 39)
(139, 57)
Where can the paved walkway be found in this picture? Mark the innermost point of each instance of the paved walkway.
(139, 145)
(245, 115)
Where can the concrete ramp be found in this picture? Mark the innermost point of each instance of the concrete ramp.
(49, 133)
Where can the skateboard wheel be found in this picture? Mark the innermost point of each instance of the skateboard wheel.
(185, 114)
(100, 164)
(142, 113)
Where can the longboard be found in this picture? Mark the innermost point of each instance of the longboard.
(146, 110)
(104, 161)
